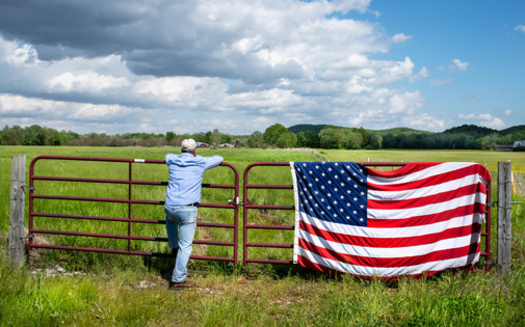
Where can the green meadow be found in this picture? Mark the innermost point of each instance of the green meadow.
(96, 289)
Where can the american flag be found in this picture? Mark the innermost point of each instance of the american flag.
(419, 219)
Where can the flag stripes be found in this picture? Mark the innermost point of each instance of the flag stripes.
(421, 218)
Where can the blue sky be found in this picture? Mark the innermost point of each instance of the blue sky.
(240, 66)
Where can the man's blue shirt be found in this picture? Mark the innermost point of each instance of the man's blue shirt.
(185, 177)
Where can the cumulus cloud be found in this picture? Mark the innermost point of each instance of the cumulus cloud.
(401, 37)
(439, 81)
(129, 65)
(458, 65)
(486, 120)
(520, 28)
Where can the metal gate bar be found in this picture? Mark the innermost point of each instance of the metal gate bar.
(232, 205)
(249, 205)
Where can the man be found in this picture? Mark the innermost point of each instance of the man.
(182, 200)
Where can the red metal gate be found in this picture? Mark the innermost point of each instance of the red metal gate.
(248, 205)
(125, 200)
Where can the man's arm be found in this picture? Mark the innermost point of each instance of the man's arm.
(213, 161)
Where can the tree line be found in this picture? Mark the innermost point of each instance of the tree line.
(278, 136)
(37, 135)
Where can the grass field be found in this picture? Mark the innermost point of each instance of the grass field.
(111, 290)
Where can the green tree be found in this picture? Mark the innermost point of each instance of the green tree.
(311, 139)
(207, 137)
(255, 140)
(332, 138)
(170, 136)
(365, 137)
(272, 133)
(286, 140)
(34, 135)
(353, 140)
(376, 141)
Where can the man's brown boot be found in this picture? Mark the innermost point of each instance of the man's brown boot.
(180, 285)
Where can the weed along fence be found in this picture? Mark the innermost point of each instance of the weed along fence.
(114, 209)
(112, 205)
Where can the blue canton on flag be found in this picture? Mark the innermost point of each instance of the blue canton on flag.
(333, 191)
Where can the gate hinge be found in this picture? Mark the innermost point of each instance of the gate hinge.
(30, 188)
(27, 236)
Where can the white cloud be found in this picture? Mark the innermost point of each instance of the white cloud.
(424, 122)
(458, 65)
(438, 81)
(238, 65)
(421, 75)
(520, 28)
(85, 81)
(507, 112)
(486, 120)
(401, 37)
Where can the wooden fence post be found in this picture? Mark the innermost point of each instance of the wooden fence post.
(504, 214)
(16, 210)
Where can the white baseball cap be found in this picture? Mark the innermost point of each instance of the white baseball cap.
(188, 145)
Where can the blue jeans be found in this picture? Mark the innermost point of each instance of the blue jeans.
(181, 222)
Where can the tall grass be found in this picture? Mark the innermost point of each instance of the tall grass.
(130, 290)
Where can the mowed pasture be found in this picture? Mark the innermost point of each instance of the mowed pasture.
(131, 290)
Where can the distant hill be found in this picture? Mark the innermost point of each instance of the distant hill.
(514, 129)
(399, 131)
(305, 127)
(472, 130)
